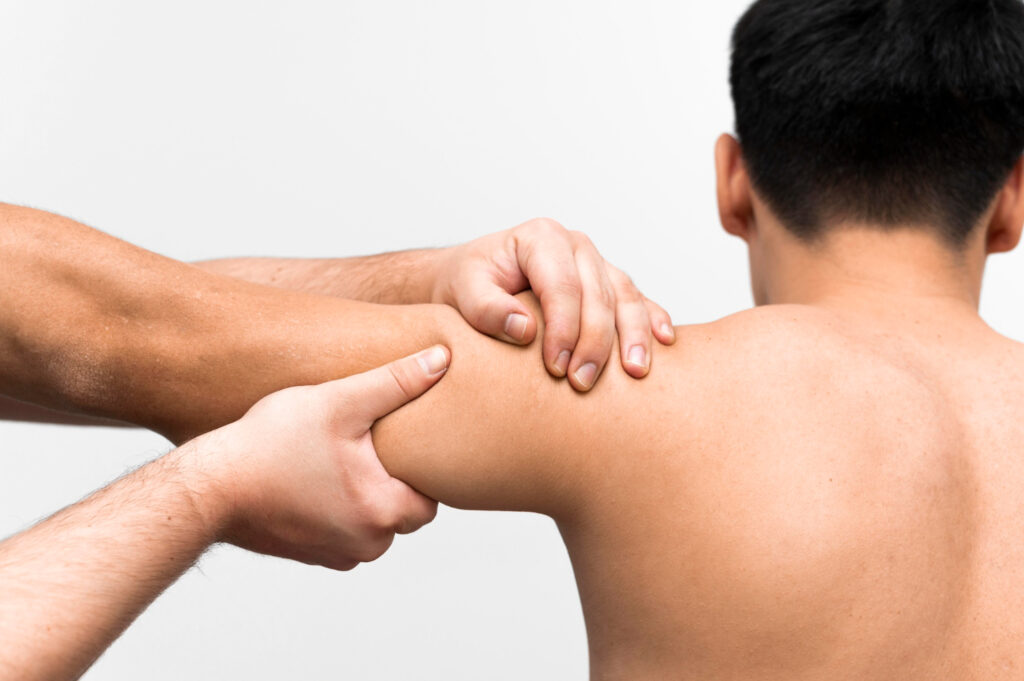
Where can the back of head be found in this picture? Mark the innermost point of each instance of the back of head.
(884, 112)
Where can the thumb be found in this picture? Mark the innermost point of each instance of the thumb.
(376, 393)
(491, 308)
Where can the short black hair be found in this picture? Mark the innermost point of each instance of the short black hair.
(887, 112)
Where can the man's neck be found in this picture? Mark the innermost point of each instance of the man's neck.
(877, 271)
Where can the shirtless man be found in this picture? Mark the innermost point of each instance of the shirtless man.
(824, 487)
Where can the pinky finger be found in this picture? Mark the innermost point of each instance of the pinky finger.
(661, 323)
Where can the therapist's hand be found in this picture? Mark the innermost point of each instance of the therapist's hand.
(586, 301)
(298, 477)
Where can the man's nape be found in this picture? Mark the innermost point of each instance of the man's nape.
(859, 263)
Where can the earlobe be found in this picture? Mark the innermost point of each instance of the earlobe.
(735, 207)
(1004, 228)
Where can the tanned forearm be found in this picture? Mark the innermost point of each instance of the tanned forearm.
(70, 585)
(401, 278)
(93, 325)
(15, 410)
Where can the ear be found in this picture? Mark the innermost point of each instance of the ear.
(1004, 228)
(735, 207)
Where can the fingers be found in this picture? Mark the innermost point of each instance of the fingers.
(491, 309)
(585, 303)
(597, 316)
(397, 509)
(415, 510)
(546, 255)
(378, 392)
(633, 323)
(661, 323)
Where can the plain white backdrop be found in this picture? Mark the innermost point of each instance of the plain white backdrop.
(206, 129)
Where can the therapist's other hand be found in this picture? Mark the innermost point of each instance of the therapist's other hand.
(585, 300)
(298, 476)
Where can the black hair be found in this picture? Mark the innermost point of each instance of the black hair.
(881, 111)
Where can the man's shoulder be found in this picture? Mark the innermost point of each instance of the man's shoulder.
(796, 327)
(792, 366)
(796, 341)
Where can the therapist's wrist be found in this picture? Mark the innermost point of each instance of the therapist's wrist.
(399, 278)
(423, 269)
(195, 467)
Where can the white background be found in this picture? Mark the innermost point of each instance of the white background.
(205, 129)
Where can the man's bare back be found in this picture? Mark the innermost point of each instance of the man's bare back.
(798, 491)
(825, 487)
(823, 496)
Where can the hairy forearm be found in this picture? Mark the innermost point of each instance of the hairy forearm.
(70, 585)
(94, 325)
(401, 278)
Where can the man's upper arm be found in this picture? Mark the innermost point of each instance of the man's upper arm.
(498, 432)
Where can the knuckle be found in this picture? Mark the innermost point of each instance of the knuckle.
(598, 335)
(568, 286)
(374, 548)
(562, 331)
(605, 297)
(656, 313)
(546, 225)
(617, 275)
(476, 315)
(428, 515)
(631, 301)
(369, 516)
(384, 517)
(400, 375)
(581, 240)
(624, 283)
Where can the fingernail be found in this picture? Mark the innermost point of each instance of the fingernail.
(561, 364)
(637, 356)
(515, 326)
(668, 331)
(433, 361)
(585, 374)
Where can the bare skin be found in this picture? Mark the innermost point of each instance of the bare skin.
(310, 488)
(825, 487)
(96, 327)
(586, 301)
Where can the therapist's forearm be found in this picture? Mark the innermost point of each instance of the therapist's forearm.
(70, 585)
(400, 278)
(15, 410)
(93, 325)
